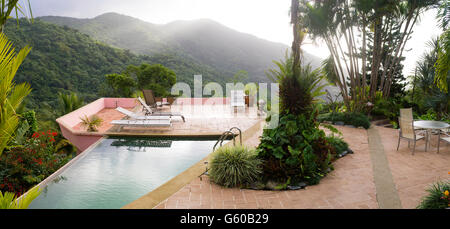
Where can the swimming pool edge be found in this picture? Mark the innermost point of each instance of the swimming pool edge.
(163, 192)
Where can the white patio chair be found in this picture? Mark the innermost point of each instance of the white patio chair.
(407, 113)
(408, 133)
(237, 98)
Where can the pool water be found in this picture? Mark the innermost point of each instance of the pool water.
(119, 171)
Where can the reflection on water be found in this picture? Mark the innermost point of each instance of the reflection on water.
(118, 171)
(141, 144)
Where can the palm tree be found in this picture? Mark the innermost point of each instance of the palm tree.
(429, 96)
(443, 61)
(70, 102)
(11, 95)
(7, 7)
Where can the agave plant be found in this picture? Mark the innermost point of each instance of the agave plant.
(92, 123)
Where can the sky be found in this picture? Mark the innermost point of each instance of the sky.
(267, 19)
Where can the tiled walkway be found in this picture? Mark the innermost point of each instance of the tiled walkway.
(350, 185)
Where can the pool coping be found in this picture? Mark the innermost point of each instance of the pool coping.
(164, 191)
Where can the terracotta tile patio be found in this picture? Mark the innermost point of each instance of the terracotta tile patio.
(200, 120)
(350, 185)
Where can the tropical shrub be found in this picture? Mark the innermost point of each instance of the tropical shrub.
(296, 150)
(355, 119)
(438, 197)
(235, 166)
(24, 166)
(9, 200)
(337, 143)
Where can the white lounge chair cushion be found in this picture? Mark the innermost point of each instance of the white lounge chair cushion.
(154, 123)
(447, 139)
(140, 117)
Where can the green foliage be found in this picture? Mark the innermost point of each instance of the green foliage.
(23, 167)
(69, 102)
(122, 84)
(92, 123)
(296, 149)
(443, 62)
(11, 94)
(348, 118)
(337, 143)
(438, 197)
(30, 117)
(155, 77)
(297, 92)
(9, 6)
(9, 200)
(65, 147)
(235, 166)
(426, 94)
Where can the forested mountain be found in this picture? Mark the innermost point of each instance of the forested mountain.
(63, 59)
(204, 40)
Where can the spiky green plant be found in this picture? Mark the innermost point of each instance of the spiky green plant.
(297, 92)
(9, 200)
(70, 102)
(92, 123)
(11, 95)
(235, 166)
(437, 198)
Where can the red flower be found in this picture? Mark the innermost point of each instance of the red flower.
(35, 135)
(52, 139)
(54, 134)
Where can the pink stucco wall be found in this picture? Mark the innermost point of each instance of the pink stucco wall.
(82, 140)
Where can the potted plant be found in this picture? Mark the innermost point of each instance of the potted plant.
(92, 123)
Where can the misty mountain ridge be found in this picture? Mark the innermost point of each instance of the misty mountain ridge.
(204, 40)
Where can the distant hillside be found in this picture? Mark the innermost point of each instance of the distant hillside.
(203, 40)
(63, 59)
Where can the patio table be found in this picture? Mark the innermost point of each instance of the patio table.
(429, 126)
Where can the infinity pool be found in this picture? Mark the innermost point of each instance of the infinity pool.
(119, 171)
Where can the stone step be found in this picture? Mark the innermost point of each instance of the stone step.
(381, 122)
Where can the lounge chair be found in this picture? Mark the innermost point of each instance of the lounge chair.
(152, 101)
(407, 132)
(135, 116)
(149, 112)
(145, 123)
(237, 98)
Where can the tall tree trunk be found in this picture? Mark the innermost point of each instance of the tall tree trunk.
(296, 28)
(364, 54)
(376, 58)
